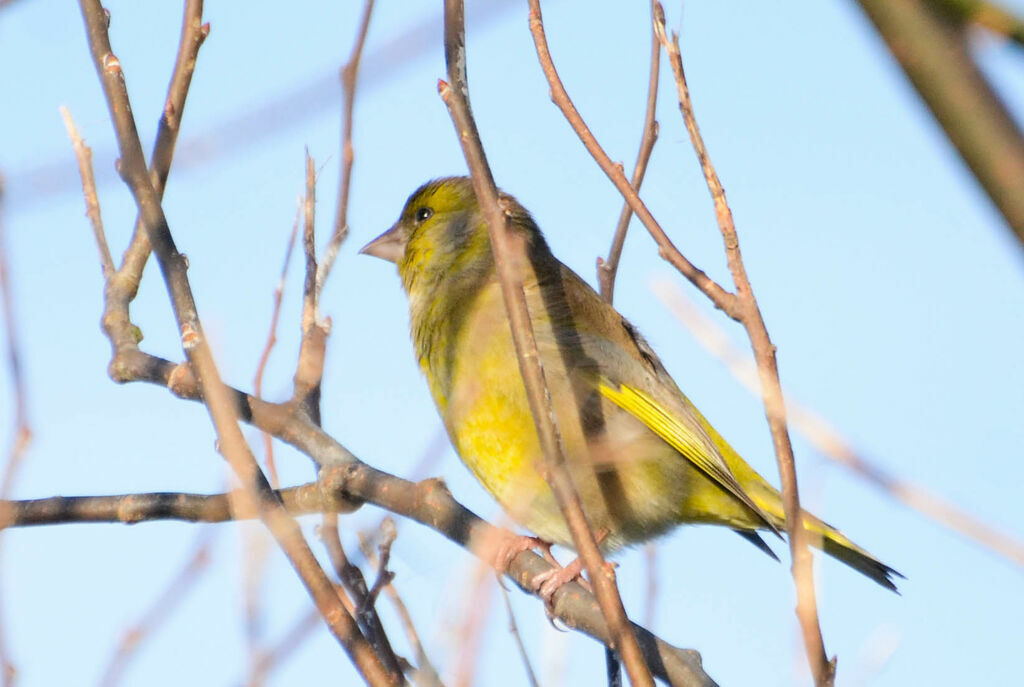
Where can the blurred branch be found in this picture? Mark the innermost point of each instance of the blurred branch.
(22, 434)
(271, 658)
(349, 75)
(930, 46)
(606, 269)
(470, 623)
(989, 15)
(513, 630)
(161, 609)
(255, 123)
(750, 317)
(827, 440)
(217, 398)
(509, 256)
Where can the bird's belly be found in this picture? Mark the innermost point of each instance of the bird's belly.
(632, 487)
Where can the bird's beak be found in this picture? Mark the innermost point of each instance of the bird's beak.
(388, 246)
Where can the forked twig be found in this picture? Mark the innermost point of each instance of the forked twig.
(349, 77)
(607, 269)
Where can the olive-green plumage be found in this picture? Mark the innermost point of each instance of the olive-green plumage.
(642, 456)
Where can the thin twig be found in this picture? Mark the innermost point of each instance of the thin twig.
(362, 598)
(471, 622)
(92, 205)
(425, 674)
(272, 658)
(349, 77)
(822, 668)
(513, 630)
(831, 444)
(607, 269)
(257, 382)
(219, 401)
(160, 611)
(386, 538)
(509, 256)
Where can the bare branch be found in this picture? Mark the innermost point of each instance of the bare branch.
(771, 389)
(219, 401)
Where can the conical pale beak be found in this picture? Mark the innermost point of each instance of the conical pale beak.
(388, 246)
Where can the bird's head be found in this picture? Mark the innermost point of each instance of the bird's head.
(441, 234)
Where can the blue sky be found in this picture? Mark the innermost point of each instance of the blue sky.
(890, 285)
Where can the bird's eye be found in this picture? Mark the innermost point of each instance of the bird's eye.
(423, 214)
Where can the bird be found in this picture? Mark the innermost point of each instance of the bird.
(641, 456)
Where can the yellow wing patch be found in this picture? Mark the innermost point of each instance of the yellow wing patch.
(682, 438)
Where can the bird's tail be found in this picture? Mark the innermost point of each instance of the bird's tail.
(820, 534)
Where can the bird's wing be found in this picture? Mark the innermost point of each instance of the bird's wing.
(682, 436)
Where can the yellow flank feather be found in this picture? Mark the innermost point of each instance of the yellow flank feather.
(642, 457)
(683, 439)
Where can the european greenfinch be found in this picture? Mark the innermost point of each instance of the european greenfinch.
(642, 457)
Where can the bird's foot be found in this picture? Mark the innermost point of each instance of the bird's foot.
(512, 546)
(547, 583)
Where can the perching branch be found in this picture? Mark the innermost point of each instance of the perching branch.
(351, 481)
(509, 255)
